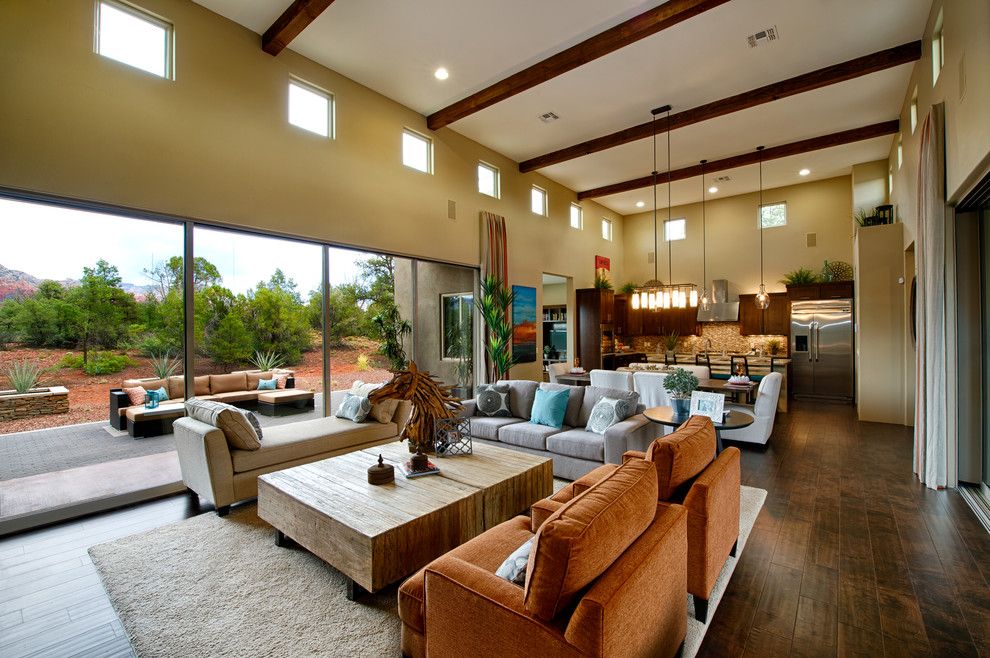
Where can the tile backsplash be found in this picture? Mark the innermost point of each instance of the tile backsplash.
(724, 336)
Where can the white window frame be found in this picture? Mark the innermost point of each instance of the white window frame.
(668, 224)
(429, 150)
(938, 47)
(496, 175)
(759, 215)
(319, 91)
(148, 17)
(900, 151)
(546, 201)
(913, 111)
(607, 227)
(577, 212)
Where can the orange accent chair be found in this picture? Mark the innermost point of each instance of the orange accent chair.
(688, 473)
(605, 577)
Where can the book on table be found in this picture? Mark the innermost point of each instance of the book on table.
(410, 472)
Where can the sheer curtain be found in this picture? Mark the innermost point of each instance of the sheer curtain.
(934, 427)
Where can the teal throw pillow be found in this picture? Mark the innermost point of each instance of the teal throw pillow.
(549, 407)
(266, 384)
(161, 393)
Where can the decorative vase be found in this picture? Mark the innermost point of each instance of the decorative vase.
(681, 406)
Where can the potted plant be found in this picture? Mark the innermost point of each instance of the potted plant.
(670, 343)
(628, 288)
(602, 282)
(679, 384)
(773, 346)
(800, 277)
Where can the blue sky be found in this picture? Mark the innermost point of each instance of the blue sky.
(50, 242)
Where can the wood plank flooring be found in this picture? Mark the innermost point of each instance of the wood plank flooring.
(850, 556)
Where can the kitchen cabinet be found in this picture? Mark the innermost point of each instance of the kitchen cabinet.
(593, 325)
(775, 320)
(681, 321)
(651, 322)
(628, 321)
(798, 293)
(828, 290)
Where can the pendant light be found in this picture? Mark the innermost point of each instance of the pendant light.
(705, 302)
(762, 299)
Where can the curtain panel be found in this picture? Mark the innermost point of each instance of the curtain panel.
(494, 260)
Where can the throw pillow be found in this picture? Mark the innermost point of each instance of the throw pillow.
(280, 380)
(608, 412)
(549, 407)
(267, 384)
(384, 410)
(239, 426)
(354, 407)
(135, 395)
(514, 567)
(162, 394)
(493, 400)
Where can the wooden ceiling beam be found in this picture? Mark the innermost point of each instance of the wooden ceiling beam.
(292, 21)
(639, 27)
(830, 75)
(770, 153)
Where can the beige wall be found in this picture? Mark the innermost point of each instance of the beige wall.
(554, 293)
(869, 186)
(214, 144)
(733, 237)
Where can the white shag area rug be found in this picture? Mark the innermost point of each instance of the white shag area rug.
(212, 586)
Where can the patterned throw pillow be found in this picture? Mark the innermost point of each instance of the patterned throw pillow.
(514, 567)
(135, 395)
(493, 400)
(380, 411)
(608, 412)
(162, 394)
(267, 384)
(354, 407)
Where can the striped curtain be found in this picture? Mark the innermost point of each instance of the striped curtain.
(934, 436)
(494, 260)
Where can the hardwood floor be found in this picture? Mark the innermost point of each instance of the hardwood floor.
(850, 556)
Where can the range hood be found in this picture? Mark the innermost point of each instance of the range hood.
(721, 309)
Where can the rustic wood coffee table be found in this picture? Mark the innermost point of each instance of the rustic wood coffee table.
(378, 534)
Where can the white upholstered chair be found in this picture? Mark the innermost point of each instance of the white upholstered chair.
(622, 381)
(649, 385)
(555, 370)
(764, 411)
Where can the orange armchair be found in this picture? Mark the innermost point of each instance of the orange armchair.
(688, 473)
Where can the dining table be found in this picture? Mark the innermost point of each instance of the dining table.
(745, 391)
(575, 379)
(732, 420)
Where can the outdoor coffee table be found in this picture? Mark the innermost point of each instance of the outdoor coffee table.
(284, 402)
(378, 534)
(143, 422)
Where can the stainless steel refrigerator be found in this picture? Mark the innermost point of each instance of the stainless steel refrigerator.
(822, 349)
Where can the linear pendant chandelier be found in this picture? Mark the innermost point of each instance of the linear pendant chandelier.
(654, 295)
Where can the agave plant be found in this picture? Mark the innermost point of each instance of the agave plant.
(24, 375)
(494, 304)
(267, 361)
(163, 365)
(670, 341)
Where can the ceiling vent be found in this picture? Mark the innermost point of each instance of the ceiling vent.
(722, 179)
(548, 117)
(763, 37)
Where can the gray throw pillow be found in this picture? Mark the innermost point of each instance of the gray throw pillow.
(354, 407)
(514, 567)
(493, 400)
(608, 412)
(241, 427)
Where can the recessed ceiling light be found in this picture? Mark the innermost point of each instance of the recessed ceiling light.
(712, 189)
(640, 204)
(441, 74)
(804, 172)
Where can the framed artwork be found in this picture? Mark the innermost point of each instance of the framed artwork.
(603, 267)
(524, 323)
(708, 404)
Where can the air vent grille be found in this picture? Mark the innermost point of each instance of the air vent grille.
(764, 36)
(548, 117)
(722, 179)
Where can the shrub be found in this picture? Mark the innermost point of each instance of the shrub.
(106, 363)
(230, 342)
(362, 362)
(23, 375)
(71, 360)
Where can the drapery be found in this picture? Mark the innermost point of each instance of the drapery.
(494, 260)
(934, 436)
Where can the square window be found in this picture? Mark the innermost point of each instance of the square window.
(577, 216)
(134, 37)
(488, 180)
(606, 229)
(417, 151)
(310, 108)
(938, 49)
(773, 215)
(675, 229)
(538, 201)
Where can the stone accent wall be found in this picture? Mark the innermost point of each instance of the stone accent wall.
(54, 400)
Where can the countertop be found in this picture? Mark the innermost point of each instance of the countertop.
(716, 357)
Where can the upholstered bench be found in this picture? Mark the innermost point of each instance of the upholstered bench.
(284, 402)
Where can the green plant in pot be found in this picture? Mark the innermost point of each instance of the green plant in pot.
(628, 288)
(773, 346)
(679, 384)
(602, 283)
(669, 342)
(800, 277)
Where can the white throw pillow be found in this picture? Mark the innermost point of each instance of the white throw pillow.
(608, 412)
(381, 411)
(354, 407)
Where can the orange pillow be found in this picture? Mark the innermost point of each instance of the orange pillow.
(584, 537)
(135, 395)
(683, 454)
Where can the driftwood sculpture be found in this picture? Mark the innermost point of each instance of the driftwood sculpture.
(431, 399)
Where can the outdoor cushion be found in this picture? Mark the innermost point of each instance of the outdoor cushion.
(147, 384)
(521, 394)
(608, 412)
(549, 407)
(683, 454)
(201, 385)
(161, 394)
(135, 395)
(578, 443)
(233, 396)
(285, 443)
(574, 398)
(583, 538)
(176, 386)
(526, 435)
(487, 428)
(266, 384)
(228, 383)
(281, 379)
(493, 401)
(237, 428)
(254, 377)
(592, 394)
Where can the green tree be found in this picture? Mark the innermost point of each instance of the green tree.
(392, 330)
(347, 314)
(167, 275)
(105, 308)
(8, 314)
(378, 279)
(47, 322)
(277, 318)
(229, 343)
(49, 289)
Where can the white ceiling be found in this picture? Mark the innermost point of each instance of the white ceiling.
(393, 47)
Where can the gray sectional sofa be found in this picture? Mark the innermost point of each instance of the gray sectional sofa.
(575, 451)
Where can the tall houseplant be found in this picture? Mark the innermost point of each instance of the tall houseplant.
(494, 304)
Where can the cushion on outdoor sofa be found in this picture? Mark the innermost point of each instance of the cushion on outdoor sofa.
(254, 377)
(236, 381)
(176, 387)
(136, 395)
